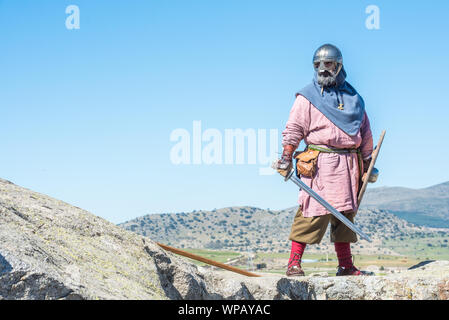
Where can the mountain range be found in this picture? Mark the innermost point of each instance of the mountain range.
(425, 207)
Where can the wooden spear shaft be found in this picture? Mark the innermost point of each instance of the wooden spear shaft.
(205, 260)
(370, 168)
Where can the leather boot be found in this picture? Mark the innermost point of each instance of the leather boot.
(294, 268)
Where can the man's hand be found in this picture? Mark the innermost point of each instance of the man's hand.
(364, 177)
(284, 167)
(284, 164)
(373, 176)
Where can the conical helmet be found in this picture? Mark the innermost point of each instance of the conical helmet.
(328, 58)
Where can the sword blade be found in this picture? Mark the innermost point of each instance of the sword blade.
(291, 176)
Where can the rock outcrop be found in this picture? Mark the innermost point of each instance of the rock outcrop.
(430, 282)
(52, 250)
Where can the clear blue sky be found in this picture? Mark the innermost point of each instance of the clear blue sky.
(86, 114)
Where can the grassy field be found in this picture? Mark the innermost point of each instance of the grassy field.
(387, 260)
(412, 252)
(429, 248)
(219, 256)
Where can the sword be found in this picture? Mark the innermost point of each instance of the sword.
(324, 203)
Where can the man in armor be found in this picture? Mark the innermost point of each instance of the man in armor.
(329, 115)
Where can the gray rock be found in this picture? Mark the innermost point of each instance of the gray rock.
(52, 250)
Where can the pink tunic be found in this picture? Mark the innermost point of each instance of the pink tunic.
(337, 176)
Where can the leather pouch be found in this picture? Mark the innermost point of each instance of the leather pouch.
(306, 162)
